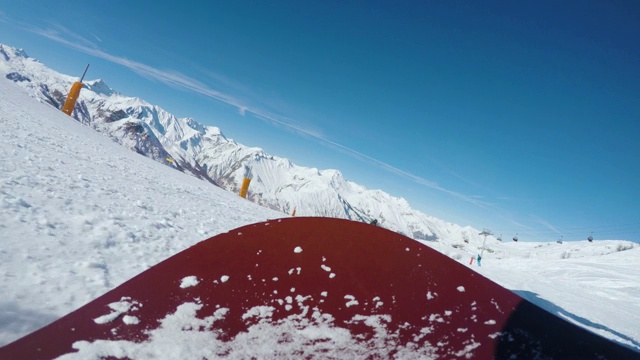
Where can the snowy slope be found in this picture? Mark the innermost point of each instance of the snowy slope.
(592, 287)
(206, 153)
(588, 283)
(80, 214)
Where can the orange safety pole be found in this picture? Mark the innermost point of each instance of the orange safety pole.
(293, 213)
(70, 103)
(74, 93)
(245, 187)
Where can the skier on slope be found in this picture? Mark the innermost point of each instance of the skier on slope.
(479, 258)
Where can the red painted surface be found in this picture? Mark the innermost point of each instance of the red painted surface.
(419, 288)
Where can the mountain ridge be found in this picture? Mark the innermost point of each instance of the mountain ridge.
(205, 152)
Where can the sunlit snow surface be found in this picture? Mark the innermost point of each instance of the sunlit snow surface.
(80, 214)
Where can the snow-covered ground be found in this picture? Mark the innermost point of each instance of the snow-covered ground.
(80, 214)
(595, 285)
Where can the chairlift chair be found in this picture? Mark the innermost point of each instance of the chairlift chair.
(590, 238)
(515, 238)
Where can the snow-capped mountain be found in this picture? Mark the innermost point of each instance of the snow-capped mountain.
(206, 153)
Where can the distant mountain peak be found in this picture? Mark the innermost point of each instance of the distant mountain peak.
(21, 53)
(9, 52)
(99, 87)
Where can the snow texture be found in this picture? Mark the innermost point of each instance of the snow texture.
(180, 336)
(189, 281)
(118, 308)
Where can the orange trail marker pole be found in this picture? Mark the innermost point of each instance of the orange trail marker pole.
(245, 187)
(74, 93)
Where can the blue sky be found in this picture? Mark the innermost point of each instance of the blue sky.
(520, 117)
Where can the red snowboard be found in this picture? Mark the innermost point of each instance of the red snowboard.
(311, 288)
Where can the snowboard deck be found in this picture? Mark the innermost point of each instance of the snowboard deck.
(311, 288)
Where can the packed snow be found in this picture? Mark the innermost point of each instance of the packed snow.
(118, 308)
(189, 281)
(80, 214)
(179, 337)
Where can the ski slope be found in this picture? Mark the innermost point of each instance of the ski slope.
(80, 214)
(585, 283)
